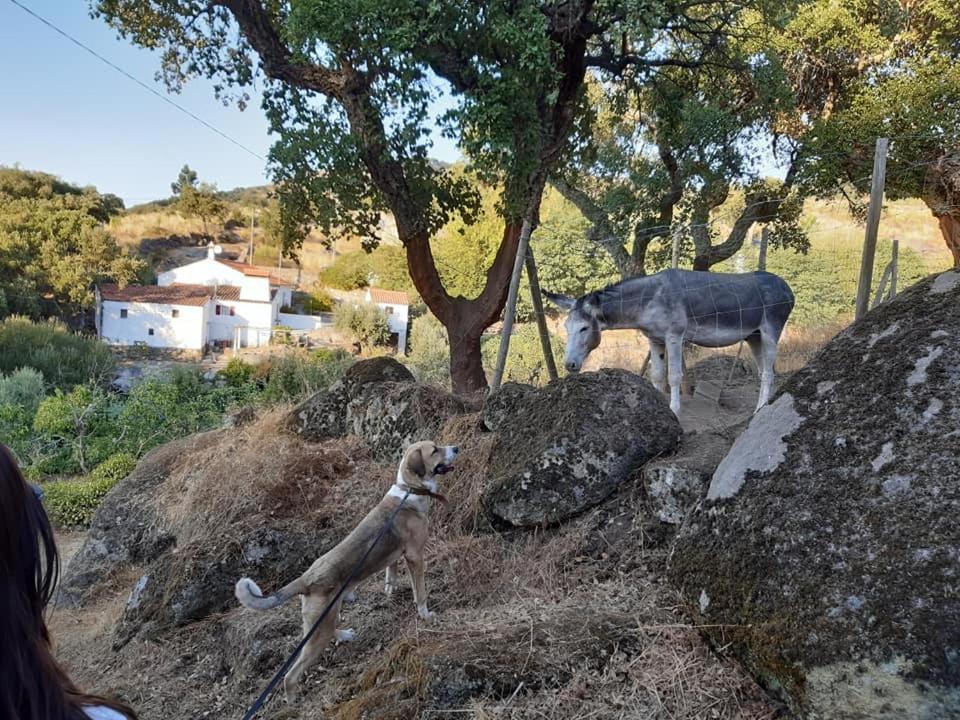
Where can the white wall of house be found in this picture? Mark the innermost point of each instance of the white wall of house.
(306, 322)
(247, 317)
(210, 272)
(174, 326)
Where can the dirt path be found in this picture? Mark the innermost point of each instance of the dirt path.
(68, 543)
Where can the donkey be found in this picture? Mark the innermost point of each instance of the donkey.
(677, 306)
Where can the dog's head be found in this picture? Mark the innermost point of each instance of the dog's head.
(425, 460)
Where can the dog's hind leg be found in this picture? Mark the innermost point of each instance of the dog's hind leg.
(312, 608)
(390, 584)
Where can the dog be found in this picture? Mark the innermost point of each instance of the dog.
(417, 474)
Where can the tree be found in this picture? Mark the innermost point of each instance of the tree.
(186, 179)
(53, 246)
(365, 321)
(195, 199)
(871, 70)
(349, 94)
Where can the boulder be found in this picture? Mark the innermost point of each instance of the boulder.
(565, 448)
(390, 416)
(674, 484)
(827, 552)
(323, 416)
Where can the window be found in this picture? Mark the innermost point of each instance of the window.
(123, 314)
(233, 311)
(150, 331)
(175, 313)
(389, 309)
(218, 310)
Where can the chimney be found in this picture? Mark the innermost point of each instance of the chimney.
(211, 251)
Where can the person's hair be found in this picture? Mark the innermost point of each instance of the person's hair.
(34, 686)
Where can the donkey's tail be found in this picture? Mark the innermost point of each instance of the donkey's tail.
(251, 596)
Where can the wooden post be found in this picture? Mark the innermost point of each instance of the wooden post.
(537, 300)
(894, 267)
(764, 242)
(873, 224)
(675, 257)
(510, 310)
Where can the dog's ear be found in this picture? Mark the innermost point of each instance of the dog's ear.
(416, 464)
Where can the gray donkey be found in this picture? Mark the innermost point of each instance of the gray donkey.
(675, 307)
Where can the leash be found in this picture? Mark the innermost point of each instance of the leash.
(272, 685)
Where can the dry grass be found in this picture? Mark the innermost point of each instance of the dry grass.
(560, 623)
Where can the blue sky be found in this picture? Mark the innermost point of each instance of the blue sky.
(65, 112)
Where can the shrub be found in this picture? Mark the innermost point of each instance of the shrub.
(299, 374)
(72, 503)
(429, 356)
(525, 363)
(318, 301)
(77, 430)
(23, 388)
(365, 321)
(64, 359)
(348, 272)
(238, 372)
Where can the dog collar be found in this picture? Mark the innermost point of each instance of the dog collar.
(421, 491)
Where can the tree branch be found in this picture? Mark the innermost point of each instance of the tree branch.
(601, 231)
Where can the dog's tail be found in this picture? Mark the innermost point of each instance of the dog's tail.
(251, 596)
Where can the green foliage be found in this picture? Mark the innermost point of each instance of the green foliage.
(297, 375)
(365, 321)
(78, 428)
(72, 503)
(525, 363)
(201, 202)
(53, 247)
(349, 271)
(186, 179)
(64, 359)
(429, 356)
(318, 301)
(23, 388)
(238, 372)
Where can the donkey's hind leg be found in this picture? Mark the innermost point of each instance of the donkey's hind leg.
(658, 374)
(763, 345)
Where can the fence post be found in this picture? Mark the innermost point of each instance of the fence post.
(764, 241)
(537, 300)
(510, 310)
(873, 224)
(675, 257)
(894, 267)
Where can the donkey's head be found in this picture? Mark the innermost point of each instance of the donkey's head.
(583, 327)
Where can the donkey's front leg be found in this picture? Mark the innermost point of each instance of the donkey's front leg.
(675, 369)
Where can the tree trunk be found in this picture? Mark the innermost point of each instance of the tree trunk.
(466, 362)
(950, 229)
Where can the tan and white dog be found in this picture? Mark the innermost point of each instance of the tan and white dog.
(417, 473)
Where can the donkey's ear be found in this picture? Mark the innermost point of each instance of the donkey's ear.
(416, 464)
(564, 302)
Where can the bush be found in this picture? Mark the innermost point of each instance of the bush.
(297, 375)
(429, 357)
(64, 359)
(348, 272)
(365, 321)
(525, 363)
(238, 372)
(72, 503)
(77, 430)
(22, 388)
(318, 301)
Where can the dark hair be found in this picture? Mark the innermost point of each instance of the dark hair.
(34, 686)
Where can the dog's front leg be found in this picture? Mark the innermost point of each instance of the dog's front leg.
(390, 584)
(417, 567)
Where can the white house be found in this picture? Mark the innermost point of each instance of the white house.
(397, 307)
(208, 302)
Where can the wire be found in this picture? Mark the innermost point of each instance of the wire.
(142, 84)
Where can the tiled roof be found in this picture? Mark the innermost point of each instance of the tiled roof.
(253, 271)
(388, 297)
(196, 295)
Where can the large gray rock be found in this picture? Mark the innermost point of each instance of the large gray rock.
(390, 416)
(324, 415)
(676, 483)
(827, 552)
(565, 448)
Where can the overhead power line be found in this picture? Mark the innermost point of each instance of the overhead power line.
(142, 84)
